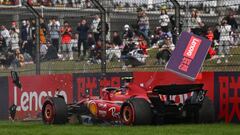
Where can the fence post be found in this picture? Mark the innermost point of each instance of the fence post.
(177, 16)
(103, 35)
(37, 17)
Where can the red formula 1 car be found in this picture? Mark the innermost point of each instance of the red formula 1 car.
(134, 105)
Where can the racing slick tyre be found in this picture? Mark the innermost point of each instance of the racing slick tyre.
(54, 111)
(136, 111)
(206, 114)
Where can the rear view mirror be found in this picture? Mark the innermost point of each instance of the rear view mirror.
(15, 79)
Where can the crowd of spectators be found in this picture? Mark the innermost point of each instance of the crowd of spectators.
(51, 3)
(130, 46)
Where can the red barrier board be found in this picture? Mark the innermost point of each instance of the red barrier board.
(227, 96)
(223, 88)
(30, 98)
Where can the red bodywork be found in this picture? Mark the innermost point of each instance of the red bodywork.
(109, 106)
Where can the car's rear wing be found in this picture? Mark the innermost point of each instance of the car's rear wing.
(176, 89)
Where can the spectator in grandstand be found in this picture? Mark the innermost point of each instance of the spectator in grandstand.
(210, 36)
(54, 30)
(94, 27)
(43, 31)
(15, 26)
(234, 26)
(156, 37)
(18, 60)
(164, 52)
(195, 23)
(43, 50)
(5, 34)
(143, 23)
(24, 31)
(127, 33)
(52, 52)
(232, 21)
(27, 36)
(134, 58)
(82, 30)
(142, 44)
(112, 52)
(2, 44)
(164, 20)
(88, 3)
(116, 40)
(14, 39)
(95, 53)
(99, 28)
(90, 41)
(33, 29)
(66, 35)
(224, 44)
(54, 2)
(74, 42)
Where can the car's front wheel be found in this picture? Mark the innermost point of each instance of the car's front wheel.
(54, 111)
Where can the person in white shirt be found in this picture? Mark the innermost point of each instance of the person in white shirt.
(164, 20)
(113, 51)
(195, 23)
(224, 44)
(14, 39)
(5, 33)
(43, 50)
(94, 27)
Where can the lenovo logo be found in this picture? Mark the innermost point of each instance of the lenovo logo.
(33, 100)
(192, 47)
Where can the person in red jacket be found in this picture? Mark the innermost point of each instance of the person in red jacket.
(143, 45)
(210, 36)
(66, 34)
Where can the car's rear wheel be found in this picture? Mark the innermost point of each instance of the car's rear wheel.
(54, 111)
(206, 114)
(136, 111)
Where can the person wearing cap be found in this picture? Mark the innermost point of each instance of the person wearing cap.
(127, 34)
(164, 20)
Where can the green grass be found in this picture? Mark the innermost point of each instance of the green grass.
(19, 128)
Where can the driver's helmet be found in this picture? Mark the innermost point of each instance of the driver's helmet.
(127, 79)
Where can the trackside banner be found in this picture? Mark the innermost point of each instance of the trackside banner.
(189, 55)
(227, 96)
(29, 99)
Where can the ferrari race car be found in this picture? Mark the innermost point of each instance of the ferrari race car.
(134, 105)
